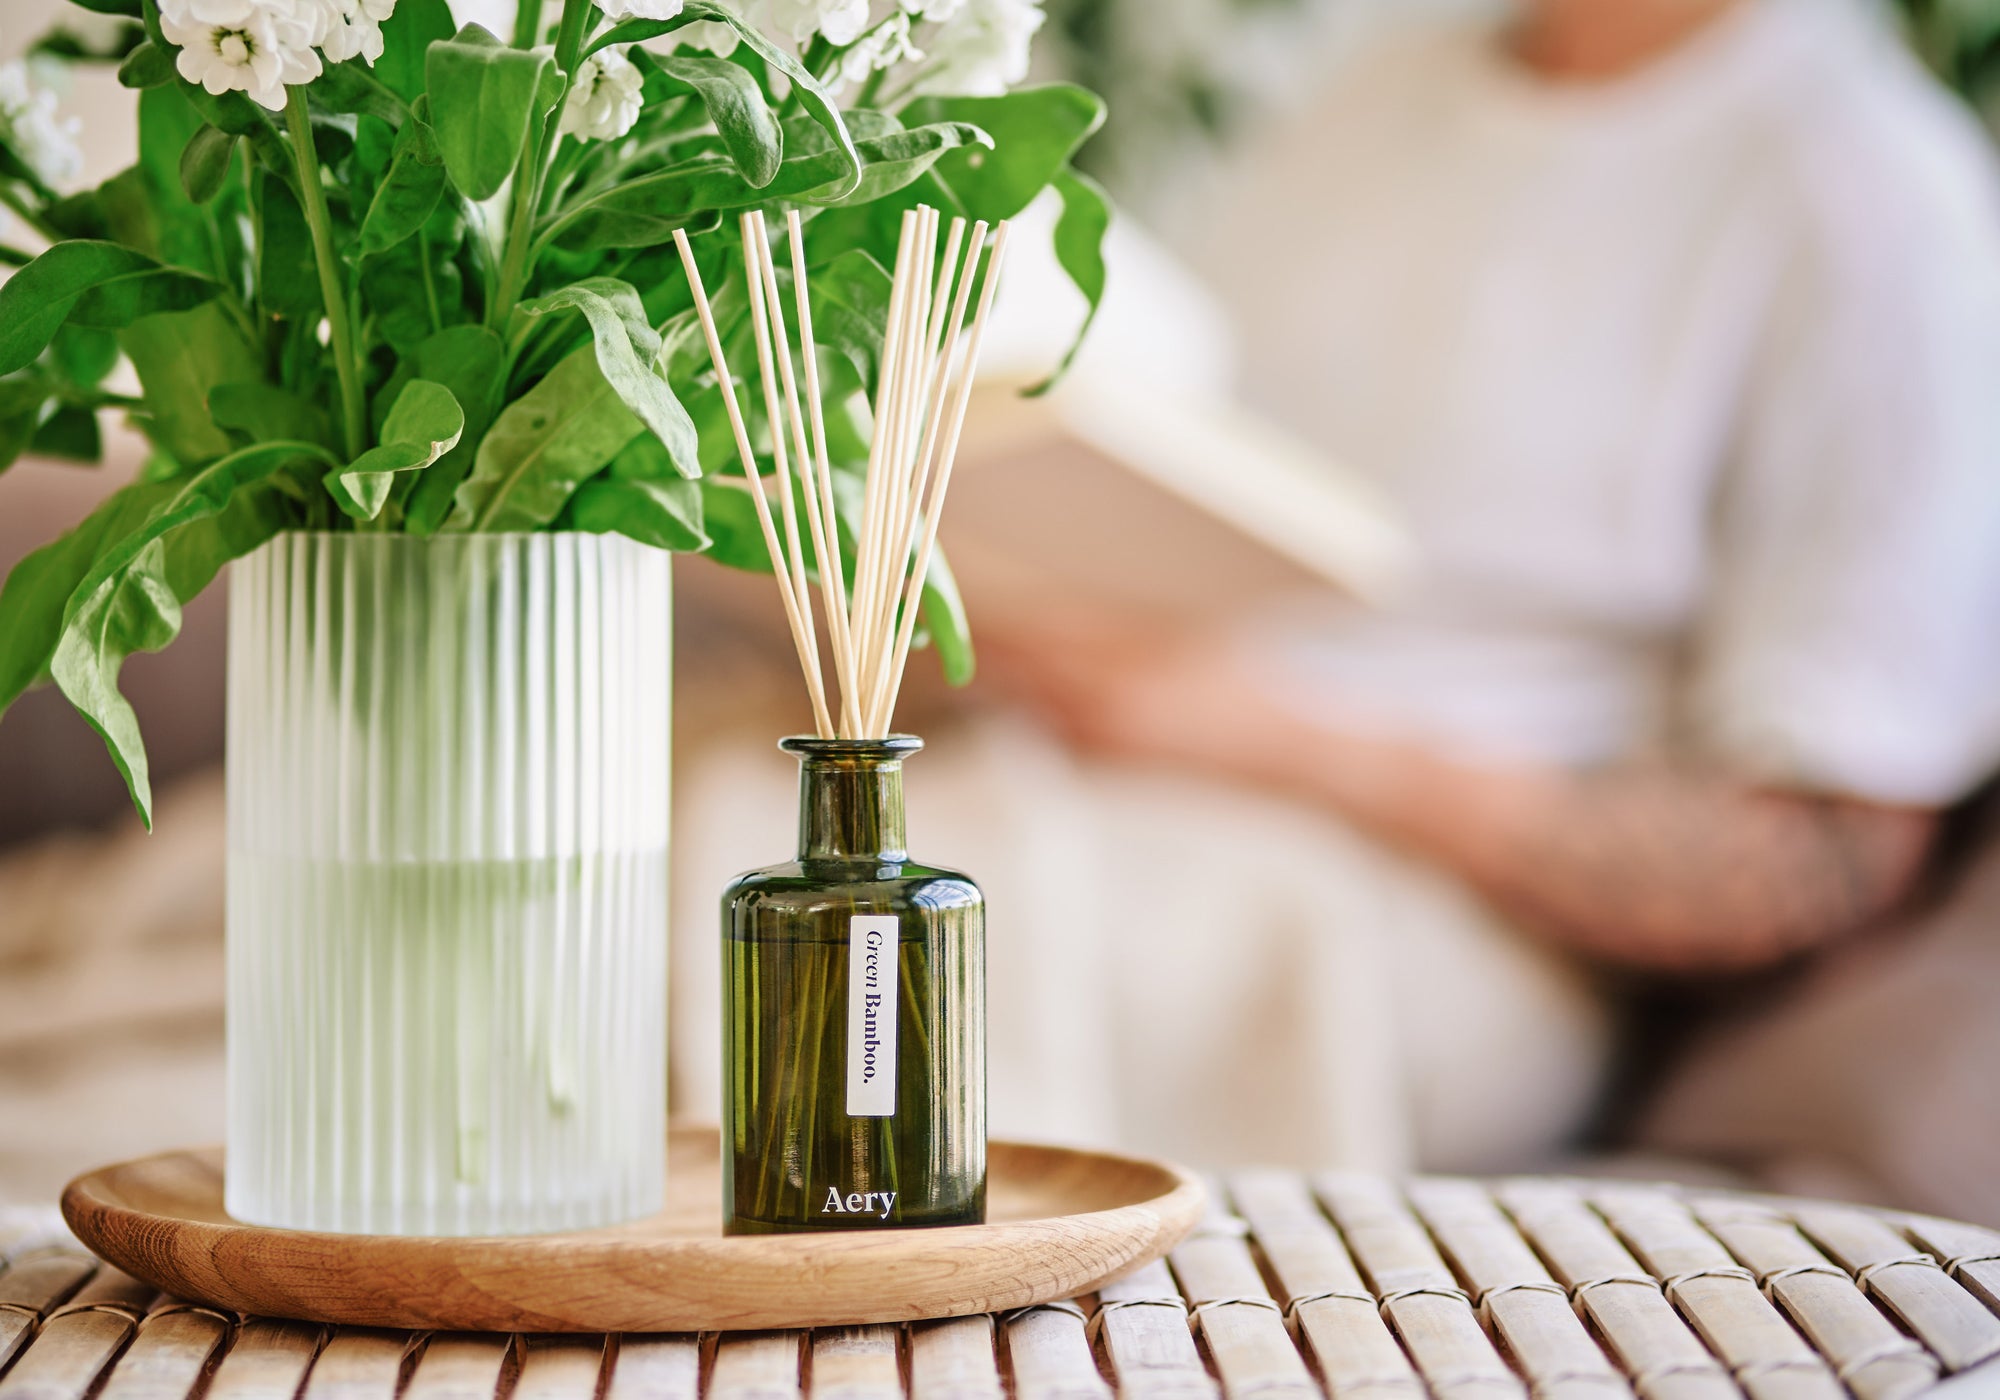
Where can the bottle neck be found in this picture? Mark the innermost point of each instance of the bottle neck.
(851, 801)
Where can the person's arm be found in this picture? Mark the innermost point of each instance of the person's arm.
(1646, 867)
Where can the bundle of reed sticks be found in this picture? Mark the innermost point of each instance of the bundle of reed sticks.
(924, 384)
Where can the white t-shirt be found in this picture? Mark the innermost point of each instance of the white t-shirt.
(1688, 384)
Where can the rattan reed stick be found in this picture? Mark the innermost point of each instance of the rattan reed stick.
(756, 271)
(820, 513)
(935, 509)
(808, 660)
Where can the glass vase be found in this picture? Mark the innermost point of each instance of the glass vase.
(447, 813)
(854, 1017)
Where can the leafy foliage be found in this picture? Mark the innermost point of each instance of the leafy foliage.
(422, 298)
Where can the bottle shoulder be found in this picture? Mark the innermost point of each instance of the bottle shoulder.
(891, 882)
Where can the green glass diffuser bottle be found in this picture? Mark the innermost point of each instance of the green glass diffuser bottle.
(854, 1017)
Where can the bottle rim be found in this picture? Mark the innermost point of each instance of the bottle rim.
(811, 748)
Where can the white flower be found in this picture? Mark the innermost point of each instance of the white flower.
(882, 47)
(253, 46)
(841, 21)
(354, 29)
(982, 50)
(936, 11)
(604, 99)
(29, 125)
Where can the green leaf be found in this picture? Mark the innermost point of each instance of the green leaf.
(850, 307)
(414, 289)
(128, 8)
(646, 211)
(205, 162)
(736, 105)
(38, 589)
(1035, 131)
(406, 36)
(350, 87)
(180, 359)
(287, 269)
(543, 446)
(147, 66)
(169, 225)
(1079, 240)
(806, 88)
(471, 362)
(88, 283)
(626, 350)
(896, 158)
(84, 356)
(666, 515)
(409, 193)
(70, 433)
(943, 614)
(264, 412)
(729, 518)
(128, 602)
(483, 97)
(25, 405)
(423, 424)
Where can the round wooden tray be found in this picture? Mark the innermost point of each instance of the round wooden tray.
(1060, 1223)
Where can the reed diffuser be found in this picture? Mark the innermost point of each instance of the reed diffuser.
(854, 998)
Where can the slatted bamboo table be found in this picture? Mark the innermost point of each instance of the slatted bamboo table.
(1292, 1288)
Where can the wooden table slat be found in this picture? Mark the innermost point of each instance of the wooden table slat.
(1661, 1356)
(459, 1366)
(1237, 1318)
(559, 1368)
(1867, 1351)
(1956, 1326)
(1321, 1287)
(954, 1359)
(69, 1353)
(1143, 1327)
(1419, 1294)
(1719, 1297)
(360, 1363)
(41, 1283)
(1050, 1356)
(1522, 1301)
(856, 1363)
(663, 1366)
(1969, 1253)
(169, 1356)
(1339, 1287)
(757, 1366)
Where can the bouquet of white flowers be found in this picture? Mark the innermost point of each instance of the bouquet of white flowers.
(377, 270)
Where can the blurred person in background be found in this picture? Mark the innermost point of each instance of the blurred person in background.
(1673, 328)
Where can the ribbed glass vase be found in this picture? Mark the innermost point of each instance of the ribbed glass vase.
(447, 918)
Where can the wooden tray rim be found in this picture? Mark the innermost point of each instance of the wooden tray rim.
(827, 1279)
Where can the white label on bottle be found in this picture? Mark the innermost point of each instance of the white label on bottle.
(871, 1015)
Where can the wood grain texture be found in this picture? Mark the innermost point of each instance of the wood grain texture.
(954, 1359)
(1060, 1223)
(655, 1368)
(1142, 1327)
